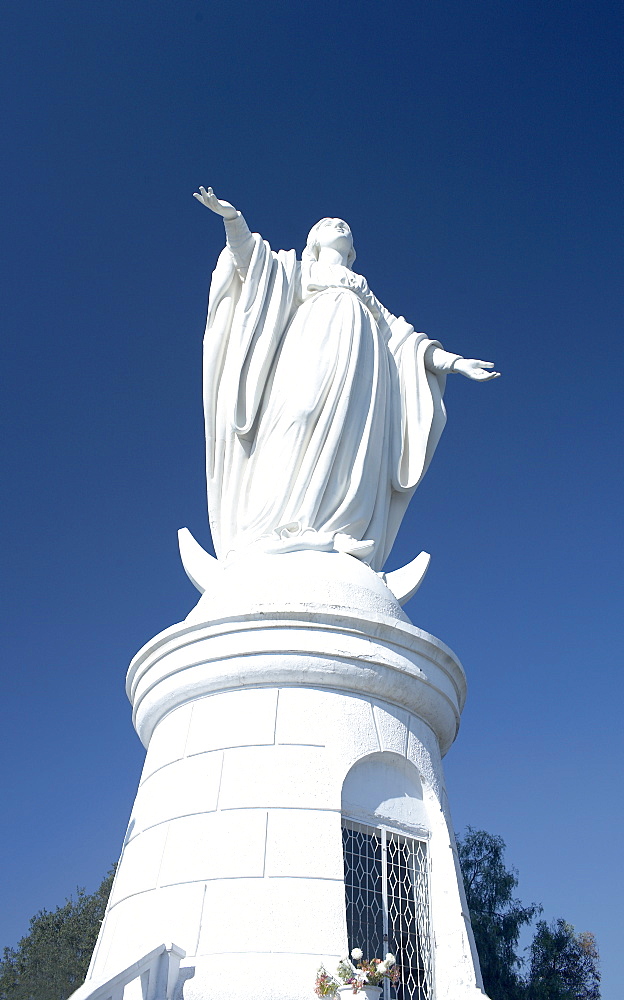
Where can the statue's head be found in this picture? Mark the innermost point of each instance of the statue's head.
(333, 233)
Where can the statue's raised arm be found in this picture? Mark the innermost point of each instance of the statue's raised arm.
(323, 409)
(239, 239)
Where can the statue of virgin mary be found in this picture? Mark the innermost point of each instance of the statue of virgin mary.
(323, 410)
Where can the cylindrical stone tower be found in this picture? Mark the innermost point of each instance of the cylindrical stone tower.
(292, 803)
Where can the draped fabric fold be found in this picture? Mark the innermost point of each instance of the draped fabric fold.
(321, 417)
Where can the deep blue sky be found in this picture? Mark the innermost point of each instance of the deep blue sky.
(474, 147)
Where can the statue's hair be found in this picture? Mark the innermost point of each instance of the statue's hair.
(311, 251)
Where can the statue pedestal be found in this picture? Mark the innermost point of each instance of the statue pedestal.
(296, 708)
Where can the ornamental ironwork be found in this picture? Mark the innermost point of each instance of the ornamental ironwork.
(387, 900)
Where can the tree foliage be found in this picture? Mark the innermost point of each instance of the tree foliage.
(497, 917)
(563, 964)
(51, 961)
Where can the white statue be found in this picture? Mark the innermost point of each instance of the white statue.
(323, 410)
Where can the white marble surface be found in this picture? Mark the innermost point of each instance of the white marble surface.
(298, 618)
(297, 691)
(263, 729)
(323, 409)
(257, 872)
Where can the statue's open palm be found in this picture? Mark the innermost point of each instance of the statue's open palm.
(208, 198)
(476, 370)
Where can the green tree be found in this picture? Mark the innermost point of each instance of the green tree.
(51, 961)
(497, 917)
(564, 965)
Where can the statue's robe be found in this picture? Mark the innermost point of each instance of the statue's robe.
(321, 417)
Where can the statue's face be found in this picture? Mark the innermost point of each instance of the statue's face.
(335, 233)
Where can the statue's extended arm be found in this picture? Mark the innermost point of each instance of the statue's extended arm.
(437, 360)
(239, 239)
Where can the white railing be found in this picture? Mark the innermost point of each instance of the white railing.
(153, 977)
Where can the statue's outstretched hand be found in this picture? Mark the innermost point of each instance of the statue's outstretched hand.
(208, 198)
(477, 370)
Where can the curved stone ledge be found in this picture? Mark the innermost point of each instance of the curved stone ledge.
(375, 656)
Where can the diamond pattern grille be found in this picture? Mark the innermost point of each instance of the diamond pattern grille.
(387, 900)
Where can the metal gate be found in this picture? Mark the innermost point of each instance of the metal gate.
(387, 899)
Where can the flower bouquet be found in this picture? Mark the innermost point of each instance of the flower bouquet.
(357, 976)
